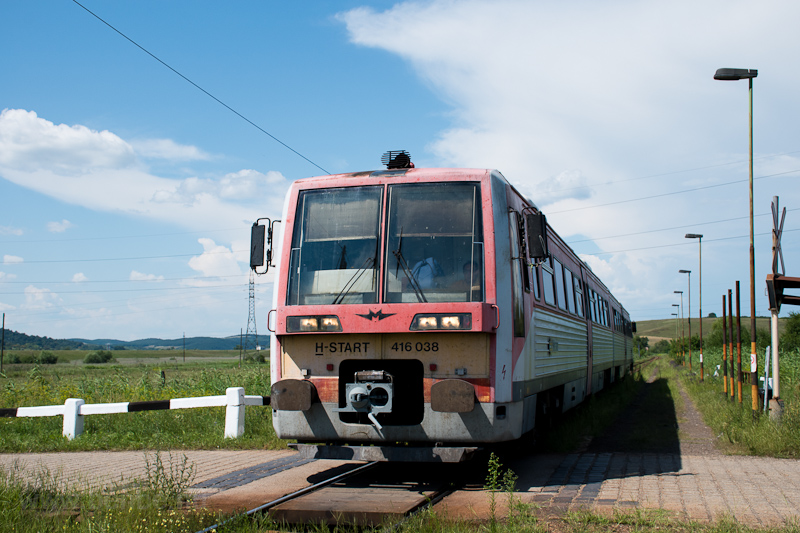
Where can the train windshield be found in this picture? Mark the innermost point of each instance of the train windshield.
(434, 245)
(335, 247)
(434, 249)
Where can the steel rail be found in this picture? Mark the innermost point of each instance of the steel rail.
(293, 495)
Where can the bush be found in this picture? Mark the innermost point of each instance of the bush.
(790, 340)
(47, 358)
(98, 357)
(662, 346)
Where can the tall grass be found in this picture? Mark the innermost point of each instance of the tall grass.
(735, 423)
(173, 429)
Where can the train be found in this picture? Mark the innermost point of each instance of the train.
(420, 314)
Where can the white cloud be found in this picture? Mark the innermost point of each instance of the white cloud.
(6, 307)
(168, 149)
(8, 230)
(59, 227)
(39, 299)
(79, 277)
(12, 259)
(28, 143)
(578, 103)
(138, 276)
(100, 171)
(216, 260)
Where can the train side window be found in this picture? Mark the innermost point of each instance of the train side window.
(568, 288)
(559, 271)
(593, 305)
(535, 272)
(547, 281)
(518, 265)
(578, 296)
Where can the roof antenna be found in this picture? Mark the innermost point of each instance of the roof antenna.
(394, 159)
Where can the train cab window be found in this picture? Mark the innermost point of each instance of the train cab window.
(335, 247)
(535, 274)
(548, 283)
(434, 249)
(578, 296)
(559, 272)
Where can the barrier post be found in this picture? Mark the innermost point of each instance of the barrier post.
(73, 419)
(234, 412)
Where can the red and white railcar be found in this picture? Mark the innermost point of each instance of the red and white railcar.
(424, 312)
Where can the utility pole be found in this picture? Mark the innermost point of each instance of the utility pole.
(251, 337)
(3, 343)
(184, 346)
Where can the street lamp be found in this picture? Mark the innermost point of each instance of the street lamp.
(683, 346)
(700, 241)
(748, 74)
(677, 321)
(690, 314)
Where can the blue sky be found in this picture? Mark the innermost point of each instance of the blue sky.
(127, 193)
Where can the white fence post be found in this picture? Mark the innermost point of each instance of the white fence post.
(73, 419)
(234, 413)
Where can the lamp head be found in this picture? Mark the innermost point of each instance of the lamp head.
(693, 236)
(735, 74)
(684, 271)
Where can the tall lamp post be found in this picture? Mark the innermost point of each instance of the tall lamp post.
(700, 240)
(677, 322)
(690, 314)
(683, 345)
(748, 74)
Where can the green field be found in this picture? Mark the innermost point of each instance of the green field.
(665, 329)
(129, 379)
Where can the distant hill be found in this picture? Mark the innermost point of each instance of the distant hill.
(192, 343)
(22, 341)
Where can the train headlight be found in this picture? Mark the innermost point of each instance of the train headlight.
(441, 321)
(300, 324)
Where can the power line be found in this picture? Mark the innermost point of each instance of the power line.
(672, 228)
(226, 106)
(668, 193)
(687, 243)
(119, 237)
(118, 258)
(673, 172)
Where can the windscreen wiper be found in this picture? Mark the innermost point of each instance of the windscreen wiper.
(370, 261)
(401, 261)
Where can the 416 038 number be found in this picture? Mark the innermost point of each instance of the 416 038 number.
(415, 347)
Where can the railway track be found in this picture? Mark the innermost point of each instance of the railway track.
(371, 494)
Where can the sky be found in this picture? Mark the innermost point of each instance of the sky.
(136, 151)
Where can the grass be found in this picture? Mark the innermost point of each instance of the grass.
(665, 328)
(735, 423)
(200, 428)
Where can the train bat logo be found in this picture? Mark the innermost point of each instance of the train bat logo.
(380, 315)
